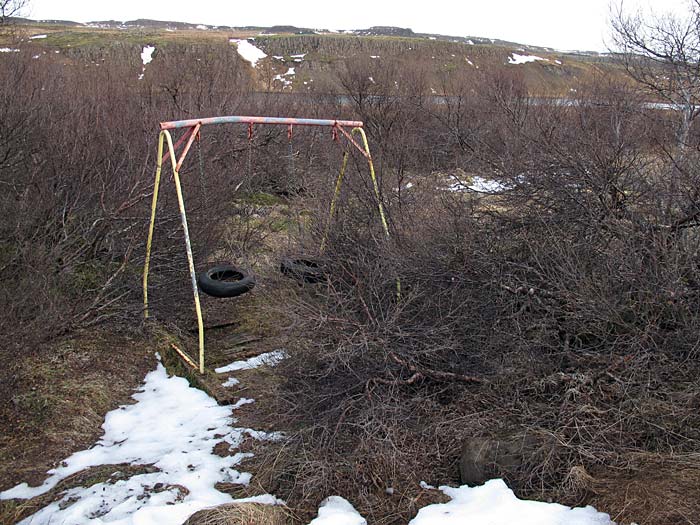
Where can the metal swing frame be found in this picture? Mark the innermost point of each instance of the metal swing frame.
(192, 127)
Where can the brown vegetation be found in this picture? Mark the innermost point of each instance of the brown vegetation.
(564, 305)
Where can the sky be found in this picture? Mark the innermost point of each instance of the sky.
(560, 24)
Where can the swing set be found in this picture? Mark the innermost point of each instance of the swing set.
(192, 131)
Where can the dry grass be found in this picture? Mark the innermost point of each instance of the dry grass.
(659, 490)
(241, 514)
(60, 398)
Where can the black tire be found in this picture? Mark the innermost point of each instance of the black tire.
(225, 280)
(304, 270)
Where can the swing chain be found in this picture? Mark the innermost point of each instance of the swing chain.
(202, 180)
(249, 167)
(291, 153)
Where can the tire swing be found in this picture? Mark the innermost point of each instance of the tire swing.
(302, 269)
(225, 280)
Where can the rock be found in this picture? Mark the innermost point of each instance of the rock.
(485, 458)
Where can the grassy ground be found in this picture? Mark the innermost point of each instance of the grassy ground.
(62, 395)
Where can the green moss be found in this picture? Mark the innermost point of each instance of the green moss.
(35, 404)
(280, 225)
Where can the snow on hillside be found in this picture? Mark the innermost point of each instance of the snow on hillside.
(515, 58)
(282, 78)
(248, 51)
(147, 54)
(146, 58)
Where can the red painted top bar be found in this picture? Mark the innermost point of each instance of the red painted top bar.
(259, 120)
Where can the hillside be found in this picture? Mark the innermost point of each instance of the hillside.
(305, 59)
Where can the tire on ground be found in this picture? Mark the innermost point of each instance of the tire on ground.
(225, 280)
(304, 270)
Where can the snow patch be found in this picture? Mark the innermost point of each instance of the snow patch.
(147, 54)
(202, 27)
(171, 427)
(8, 50)
(269, 358)
(248, 51)
(515, 58)
(478, 184)
(231, 381)
(337, 511)
(146, 58)
(493, 503)
(37, 37)
(285, 81)
(241, 402)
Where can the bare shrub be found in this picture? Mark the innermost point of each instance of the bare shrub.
(563, 304)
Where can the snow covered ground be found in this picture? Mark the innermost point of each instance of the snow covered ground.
(174, 427)
(248, 51)
(478, 184)
(269, 358)
(492, 503)
(337, 511)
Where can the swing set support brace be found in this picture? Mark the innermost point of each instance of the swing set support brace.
(165, 136)
(192, 130)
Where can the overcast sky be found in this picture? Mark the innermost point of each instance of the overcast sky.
(561, 24)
